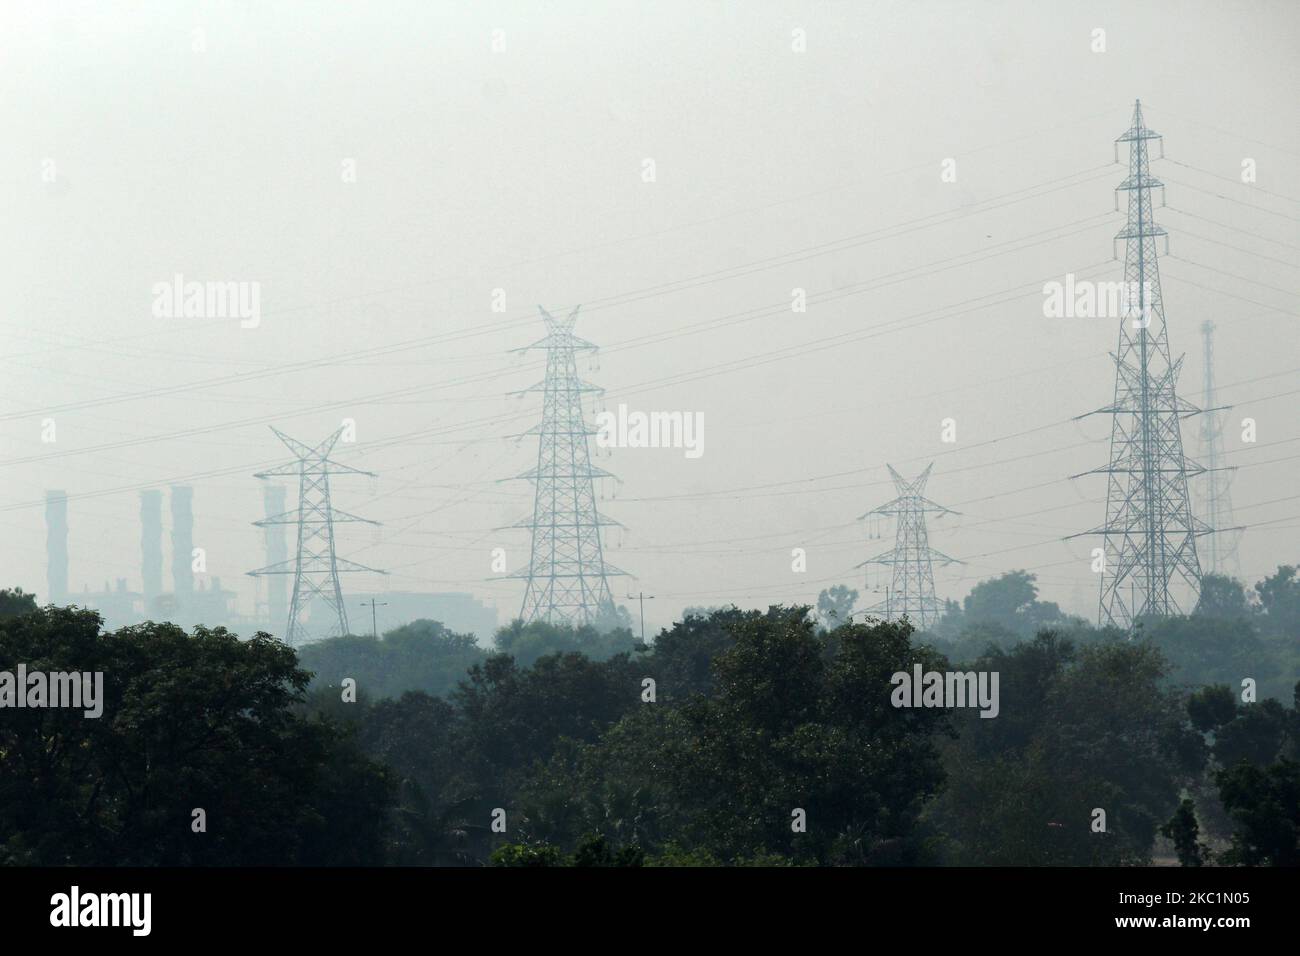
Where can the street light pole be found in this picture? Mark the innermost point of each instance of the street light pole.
(374, 620)
(642, 597)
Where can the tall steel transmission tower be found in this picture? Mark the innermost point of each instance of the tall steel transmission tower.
(1150, 532)
(566, 569)
(1221, 546)
(316, 567)
(912, 558)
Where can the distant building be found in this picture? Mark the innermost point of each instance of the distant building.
(209, 604)
(118, 606)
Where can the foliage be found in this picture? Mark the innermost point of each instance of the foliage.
(15, 601)
(1010, 601)
(512, 717)
(594, 850)
(1222, 597)
(1279, 603)
(1080, 729)
(1211, 707)
(795, 719)
(200, 720)
(1184, 831)
(422, 655)
(835, 605)
(1264, 804)
(683, 655)
(1207, 650)
(1255, 748)
(526, 643)
(527, 855)
(738, 738)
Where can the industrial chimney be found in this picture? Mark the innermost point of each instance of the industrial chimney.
(182, 545)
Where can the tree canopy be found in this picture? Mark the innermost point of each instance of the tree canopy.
(191, 722)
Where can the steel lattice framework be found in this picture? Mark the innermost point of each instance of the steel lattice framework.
(566, 572)
(1150, 532)
(912, 558)
(316, 567)
(1216, 484)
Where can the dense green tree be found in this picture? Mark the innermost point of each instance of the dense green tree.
(417, 737)
(796, 725)
(15, 601)
(1212, 707)
(702, 611)
(971, 641)
(512, 716)
(1264, 804)
(201, 720)
(1011, 601)
(1222, 597)
(593, 850)
(1002, 600)
(1184, 831)
(530, 855)
(683, 655)
(1238, 735)
(1279, 599)
(835, 605)
(701, 749)
(673, 855)
(1258, 735)
(422, 655)
(438, 818)
(1080, 729)
(950, 623)
(1208, 650)
(528, 642)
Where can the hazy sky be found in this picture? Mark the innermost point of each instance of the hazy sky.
(143, 140)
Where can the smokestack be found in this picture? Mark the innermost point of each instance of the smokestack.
(151, 559)
(277, 550)
(182, 544)
(56, 546)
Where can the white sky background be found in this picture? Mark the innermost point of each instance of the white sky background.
(522, 170)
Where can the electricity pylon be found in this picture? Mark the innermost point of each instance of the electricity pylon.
(912, 558)
(566, 572)
(1150, 533)
(316, 567)
(1221, 546)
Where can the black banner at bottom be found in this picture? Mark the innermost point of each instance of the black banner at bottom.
(270, 905)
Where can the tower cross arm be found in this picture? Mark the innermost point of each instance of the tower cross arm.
(888, 509)
(336, 468)
(343, 564)
(885, 557)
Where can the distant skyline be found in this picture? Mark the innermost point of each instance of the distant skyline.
(396, 189)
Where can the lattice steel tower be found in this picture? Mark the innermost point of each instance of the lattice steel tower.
(566, 569)
(1221, 546)
(912, 558)
(1150, 532)
(316, 567)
